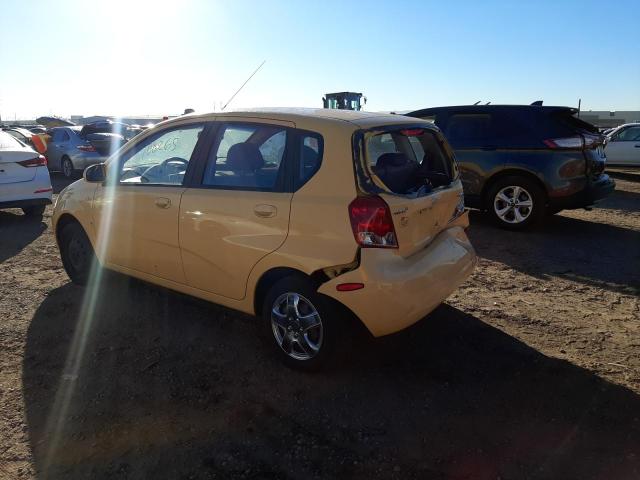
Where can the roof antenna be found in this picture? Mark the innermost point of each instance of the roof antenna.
(477, 102)
(241, 86)
(487, 103)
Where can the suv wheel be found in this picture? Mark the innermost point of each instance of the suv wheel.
(515, 202)
(303, 326)
(35, 211)
(77, 253)
(67, 167)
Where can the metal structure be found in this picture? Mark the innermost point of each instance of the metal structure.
(344, 101)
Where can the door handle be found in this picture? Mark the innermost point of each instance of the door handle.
(637, 146)
(163, 202)
(265, 211)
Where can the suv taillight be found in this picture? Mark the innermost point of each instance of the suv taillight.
(371, 223)
(566, 142)
(39, 161)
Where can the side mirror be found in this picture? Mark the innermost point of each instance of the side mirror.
(95, 173)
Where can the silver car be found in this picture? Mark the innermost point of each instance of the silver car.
(71, 149)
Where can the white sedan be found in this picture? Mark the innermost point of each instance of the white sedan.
(623, 145)
(24, 177)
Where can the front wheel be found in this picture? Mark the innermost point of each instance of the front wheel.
(515, 203)
(78, 257)
(303, 326)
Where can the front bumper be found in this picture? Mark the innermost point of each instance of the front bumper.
(399, 291)
(595, 191)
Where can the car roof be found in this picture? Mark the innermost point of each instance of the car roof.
(360, 119)
(489, 108)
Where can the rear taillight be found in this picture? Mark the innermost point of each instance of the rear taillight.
(592, 141)
(566, 142)
(39, 161)
(87, 148)
(371, 223)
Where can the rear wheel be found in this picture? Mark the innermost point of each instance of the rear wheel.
(515, 202)
(304, 327)
(78, 257)
(34, 211)
(67, 167)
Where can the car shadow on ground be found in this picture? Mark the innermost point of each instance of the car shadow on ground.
(59, 182)
(630, 175)
(132, 381)
(595, 254)
(17, 231)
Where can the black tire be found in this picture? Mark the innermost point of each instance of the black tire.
(78, 257)
(507, 187)
(67, 168)
(333, 319)
(34, 211)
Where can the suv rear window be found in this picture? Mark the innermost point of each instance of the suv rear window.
(409, 160)
(574, 124)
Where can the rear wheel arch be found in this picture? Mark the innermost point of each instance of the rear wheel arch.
(511, 172)
(267, 280)
(317, 278)
(64, 220)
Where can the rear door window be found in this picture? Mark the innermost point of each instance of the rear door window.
(247, 156)
(310, 147)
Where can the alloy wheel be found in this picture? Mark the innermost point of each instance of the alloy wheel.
(297, 326)
(513, 204)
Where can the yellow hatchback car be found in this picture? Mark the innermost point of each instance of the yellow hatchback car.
(308, 218)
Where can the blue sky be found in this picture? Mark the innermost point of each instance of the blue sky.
(152, 57)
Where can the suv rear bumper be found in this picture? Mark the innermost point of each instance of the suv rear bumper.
(595, 191)
(399, 291)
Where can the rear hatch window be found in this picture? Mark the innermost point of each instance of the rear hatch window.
(409, 161)
(414, 171)
(566, 123)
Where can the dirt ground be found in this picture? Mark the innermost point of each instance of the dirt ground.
(530, 371)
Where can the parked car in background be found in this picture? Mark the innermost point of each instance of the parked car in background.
(24, 178)
(108, 126)
(38, 130)
(72, 149)
(623, 146)
(21, 134)
(296, 216)
(521, 162)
